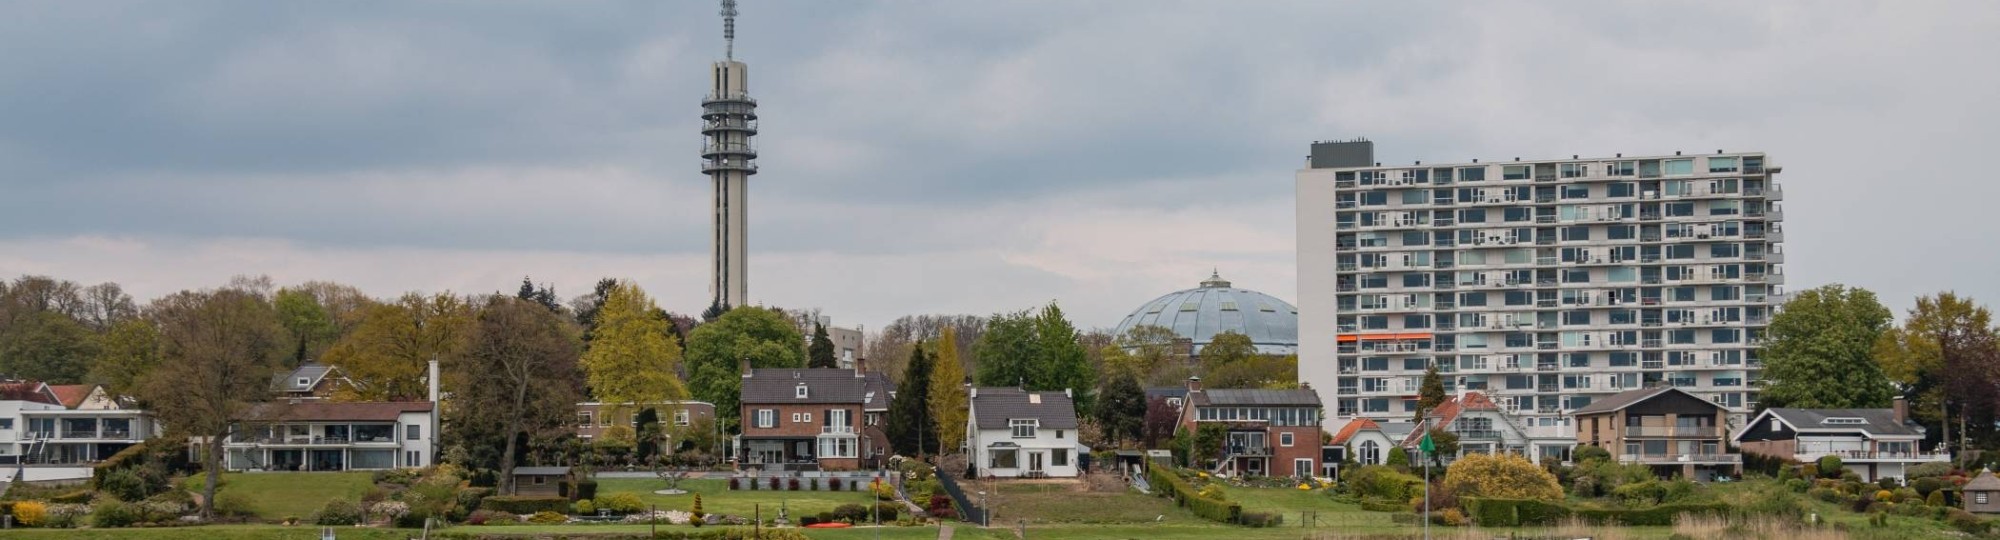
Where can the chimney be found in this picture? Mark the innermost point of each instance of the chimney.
(1899, 409)
(860, 365)
(434, 381)
(1194, 384)
(1067, 394)
(975, 392)
(745, 366)
(1304, 385)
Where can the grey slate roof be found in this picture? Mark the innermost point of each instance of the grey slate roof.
(1984, 482)
(541, 471)
(1623, 399)
(1879, 421)
(877, 392)
(289, 381)
(1397, 431)
(995, 406)
(1166, 392)
(823, 385)
(1256, 397)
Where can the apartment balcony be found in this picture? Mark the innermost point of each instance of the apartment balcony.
(1866, 456)
(1775, 193)
(1245, 450)
(1478, 435)
(1674, 459)
(1678, 432)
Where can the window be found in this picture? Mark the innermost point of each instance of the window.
(1979, 497)
(767, 418)
(1024, 428)
(1371, 454)
(799, 392)
(837, 447)
(1059, 434)
(1722, 165)
(839, 420)
(304, 381)
(1514, 172)
(1619, 189)
(1680, 166)
(681, 417)
(6, 423)
(413, 432)
(415, 458)
(1285, 439)
(539, 480)
(1060, 457)
(1004, 458)
(583, 418)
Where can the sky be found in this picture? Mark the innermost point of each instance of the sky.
(937, 157)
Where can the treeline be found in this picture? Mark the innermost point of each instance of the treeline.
(1838, 347)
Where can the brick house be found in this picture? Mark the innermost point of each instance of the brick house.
(1665, 428)
(811, 419)
(592, 418)
(1269, 432)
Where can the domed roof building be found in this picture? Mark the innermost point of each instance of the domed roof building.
(1215, 307)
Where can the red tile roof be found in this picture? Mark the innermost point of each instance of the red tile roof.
(1353, 427)
(373, 411)
(71, 395)
(26, 391)
(1446, 412)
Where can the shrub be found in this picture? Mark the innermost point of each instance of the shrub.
(65, 515)
(1263, 519)
(1452, 517)
(1509, 476)
(1213, 491)
(547, 517)
(851, 513)
(1887, 482)
(585, 508)
(124, 484)
(524, 505)
(734, 483)
(1936, 498)
(115, 513)
(1587, 454)
(1932, 469)
(1645, 493)
(774, 483)
(394, 510)
(792, 484)
(1398, 459)
(1925, 486)
(833, 484)
(73, 497)
(492, 517)
(31, 513)
(337, 512)
(808, 521)
(231, 503)
(586, 489)
(886, 511)
(1965, 521)
(1381, 482)
(1379, 505)
(1884, 495)
(621, 503)
(882, 490)
(812, 483)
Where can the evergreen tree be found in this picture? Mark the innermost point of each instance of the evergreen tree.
(544, 295)
(1821, 354)
(820, 353)
(1431, 392)
(910, 430)
(648, 435)
(1121, 408)
(948, 398)
(714, 311)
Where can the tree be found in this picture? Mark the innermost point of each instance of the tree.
(1257, 371)
(1504, 476)
(218, 350)
(630, 359)
(695, 515)
(1161, 419)
(890, 346)
(1226, 348)
(1938, 357)
(1036, 351)
(47, 346)
(1148, 351)
(1821, 347)
(544, 295)
(125, 354)
(910, 430)
(519, 373)
(1207, 443)
(1121, 408)
(389, 351)
(716, 350)
(948, 398)
(1431, 392)
(587, 307)
(105, 305)
(1445, 442)
(648, 435)
(820, 353)
(308, 326)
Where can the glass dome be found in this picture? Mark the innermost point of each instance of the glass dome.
(1200, 313)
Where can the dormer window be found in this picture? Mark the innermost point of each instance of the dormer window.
(799, 392)
(1843, 421)
(304, 381)
(1024, 428)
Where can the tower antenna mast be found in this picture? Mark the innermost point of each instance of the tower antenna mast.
(729, 29)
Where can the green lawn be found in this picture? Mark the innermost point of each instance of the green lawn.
(215, 532)
(277, 495)
(1052, 503)
(716, 498)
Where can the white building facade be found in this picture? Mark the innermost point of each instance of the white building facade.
(1012, 433)
(328, 436)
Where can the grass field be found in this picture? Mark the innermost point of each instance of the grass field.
(716, 498)
(275, 496)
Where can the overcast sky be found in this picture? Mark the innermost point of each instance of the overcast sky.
(937, 157)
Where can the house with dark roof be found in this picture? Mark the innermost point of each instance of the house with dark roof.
(1267, 432)
(1013, 433)
(1874, 443)
(311, 380)
(1483, 427)
(798, 419)
(318, 435)
(1666, 428)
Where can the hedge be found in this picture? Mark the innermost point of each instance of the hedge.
(526, 506)
(709, 534)
(1517, 512)
(1381, 505)
(1185, 495)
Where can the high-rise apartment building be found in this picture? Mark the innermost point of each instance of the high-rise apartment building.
(1543, 284)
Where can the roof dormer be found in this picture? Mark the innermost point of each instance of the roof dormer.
(799, 391)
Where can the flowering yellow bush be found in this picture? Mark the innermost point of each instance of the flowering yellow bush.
(31, 513)
(1884, 495)
(1304, 487)
(1504, 476)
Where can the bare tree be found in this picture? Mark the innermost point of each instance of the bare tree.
(218, 350)
(105, 305)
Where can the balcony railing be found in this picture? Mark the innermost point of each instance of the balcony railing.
(1680, 458)
(1869, 455)
(1707, 432)
(1478, 434)
(1246, 450)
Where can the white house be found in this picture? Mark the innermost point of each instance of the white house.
(1873, 443)
(1365, 440)
(56, 431)
(330, 436)
(1011, 433)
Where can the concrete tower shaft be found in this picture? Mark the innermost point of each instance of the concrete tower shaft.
(729, 125)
